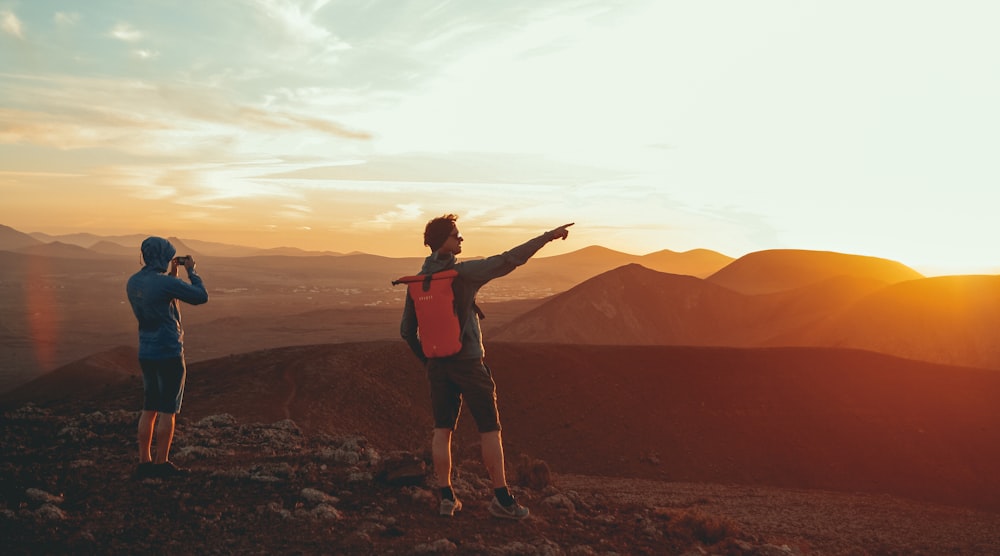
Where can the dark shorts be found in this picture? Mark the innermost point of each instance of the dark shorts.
(453, 380)
(163, 384)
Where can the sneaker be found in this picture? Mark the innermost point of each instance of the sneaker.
(514, 511)
(449, 507)
(145, 471)
(168, 469)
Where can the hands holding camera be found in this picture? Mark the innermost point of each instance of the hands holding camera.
(186, 261)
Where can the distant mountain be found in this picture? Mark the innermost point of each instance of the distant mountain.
(784, 269)
(296, 252)
(88, 239)
(560, 272)
(112, 248)
(948, 319)
(593, 260)
(633, 305)
(696, 262)
(58, 249)
(181, 247)
(11, 239)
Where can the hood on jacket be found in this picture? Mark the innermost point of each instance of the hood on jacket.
(157, 253)
(434, 264)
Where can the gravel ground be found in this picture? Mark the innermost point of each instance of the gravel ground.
(819, 522)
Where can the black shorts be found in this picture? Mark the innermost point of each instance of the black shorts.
(163, 384)
(453, 380)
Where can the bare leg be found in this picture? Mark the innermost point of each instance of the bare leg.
(493, 457)
(164, 436)
(441, 454)
(146, 421)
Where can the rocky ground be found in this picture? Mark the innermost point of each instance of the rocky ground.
(266, 488)
(66, 486)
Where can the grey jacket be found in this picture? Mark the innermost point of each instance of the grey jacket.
(472, 275)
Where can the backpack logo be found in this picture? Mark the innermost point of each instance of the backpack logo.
(437, 318)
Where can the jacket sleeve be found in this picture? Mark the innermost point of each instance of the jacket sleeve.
(484, 270)
(408, 329)
(193, 293)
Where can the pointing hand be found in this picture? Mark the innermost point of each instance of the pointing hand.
(561, 232)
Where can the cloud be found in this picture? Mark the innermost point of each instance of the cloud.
(272, 119)
(144, 54)
(66, 18)
(125, 32)
(296, 21)
(146, 118)
(403, 213)
(10, 24)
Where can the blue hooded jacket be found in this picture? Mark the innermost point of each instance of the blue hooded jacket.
(153, 295)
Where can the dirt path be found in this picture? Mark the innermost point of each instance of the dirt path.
(819, 521)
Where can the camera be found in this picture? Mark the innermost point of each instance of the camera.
(182, 260)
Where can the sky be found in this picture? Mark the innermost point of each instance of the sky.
(863, 127)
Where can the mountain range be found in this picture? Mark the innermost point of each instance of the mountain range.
(874, 305)
(808, 371)
(64, 300)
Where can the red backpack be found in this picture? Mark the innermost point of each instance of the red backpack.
(437, 318)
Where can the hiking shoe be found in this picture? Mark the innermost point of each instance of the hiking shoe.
(145, 471)
(514, 511)
(168, 469)
(449, 507)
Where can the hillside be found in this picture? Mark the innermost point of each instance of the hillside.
(11, 239)
(633, 305)
(948, 319)
(784, 269)
(635, 450)
(797, 418)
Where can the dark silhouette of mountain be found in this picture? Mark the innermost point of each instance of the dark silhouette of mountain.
(948, 319)
(296, 252)
(217, 249)
(560, 272)
(58, 249)
(11, 239)
(634, 305)
(181, 247)
(695, 262)
(783, 269)
(802, 418)
(84, 239)
(111, 248)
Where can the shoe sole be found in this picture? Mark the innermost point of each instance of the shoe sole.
(500, 514)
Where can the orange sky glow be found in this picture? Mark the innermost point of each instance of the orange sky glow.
(651, 124)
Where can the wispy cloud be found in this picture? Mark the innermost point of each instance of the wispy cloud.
(66, 18)
(144, 54)
(125, 32)
(296, 21)
(10, 24)
(402, 213)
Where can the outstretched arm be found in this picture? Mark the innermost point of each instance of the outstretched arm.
(484, 270)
